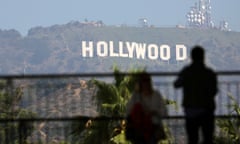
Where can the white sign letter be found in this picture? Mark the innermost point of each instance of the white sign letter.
(86, 49)
(165, 52)
(130, 47)
(112, 53)
(181, 52)
(141, 50)
(152, 51)
(102, 49)
(121, 52)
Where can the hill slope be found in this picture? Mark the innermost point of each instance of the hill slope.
(58, 49)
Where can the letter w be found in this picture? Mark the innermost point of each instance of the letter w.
(141, 50)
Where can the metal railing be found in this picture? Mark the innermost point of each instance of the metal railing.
(60, 99)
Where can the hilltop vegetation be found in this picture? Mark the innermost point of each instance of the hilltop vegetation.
(57, 49)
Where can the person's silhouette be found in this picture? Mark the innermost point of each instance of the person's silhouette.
(146, 108)
(199, 85)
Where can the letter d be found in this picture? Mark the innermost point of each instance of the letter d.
(181, 52)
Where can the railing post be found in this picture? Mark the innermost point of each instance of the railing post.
(8, 129)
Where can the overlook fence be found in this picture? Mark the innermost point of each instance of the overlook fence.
(58, 100)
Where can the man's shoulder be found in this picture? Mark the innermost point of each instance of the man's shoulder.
(210, 71)
(185, 69)
(192, 69)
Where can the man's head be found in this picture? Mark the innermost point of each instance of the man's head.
(197, 54)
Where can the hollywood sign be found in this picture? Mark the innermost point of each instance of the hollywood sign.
(133, 50)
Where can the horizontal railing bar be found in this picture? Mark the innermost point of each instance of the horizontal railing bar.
(20, 76)
(74, 75)
(228, 72)
(101, 118)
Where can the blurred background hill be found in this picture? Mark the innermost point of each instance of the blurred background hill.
(57, 49)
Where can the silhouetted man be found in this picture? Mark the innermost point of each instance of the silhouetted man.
(199, 85)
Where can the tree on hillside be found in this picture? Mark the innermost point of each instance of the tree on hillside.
(111, 99)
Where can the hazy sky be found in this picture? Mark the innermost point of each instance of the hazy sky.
(25, 14)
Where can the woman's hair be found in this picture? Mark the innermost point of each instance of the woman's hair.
(145, 82)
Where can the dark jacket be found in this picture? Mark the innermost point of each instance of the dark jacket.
(199, 85)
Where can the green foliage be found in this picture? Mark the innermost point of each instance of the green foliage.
(111, 100)
(9, 109)
(230, 128)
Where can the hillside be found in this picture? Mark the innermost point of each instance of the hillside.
(58, 48)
